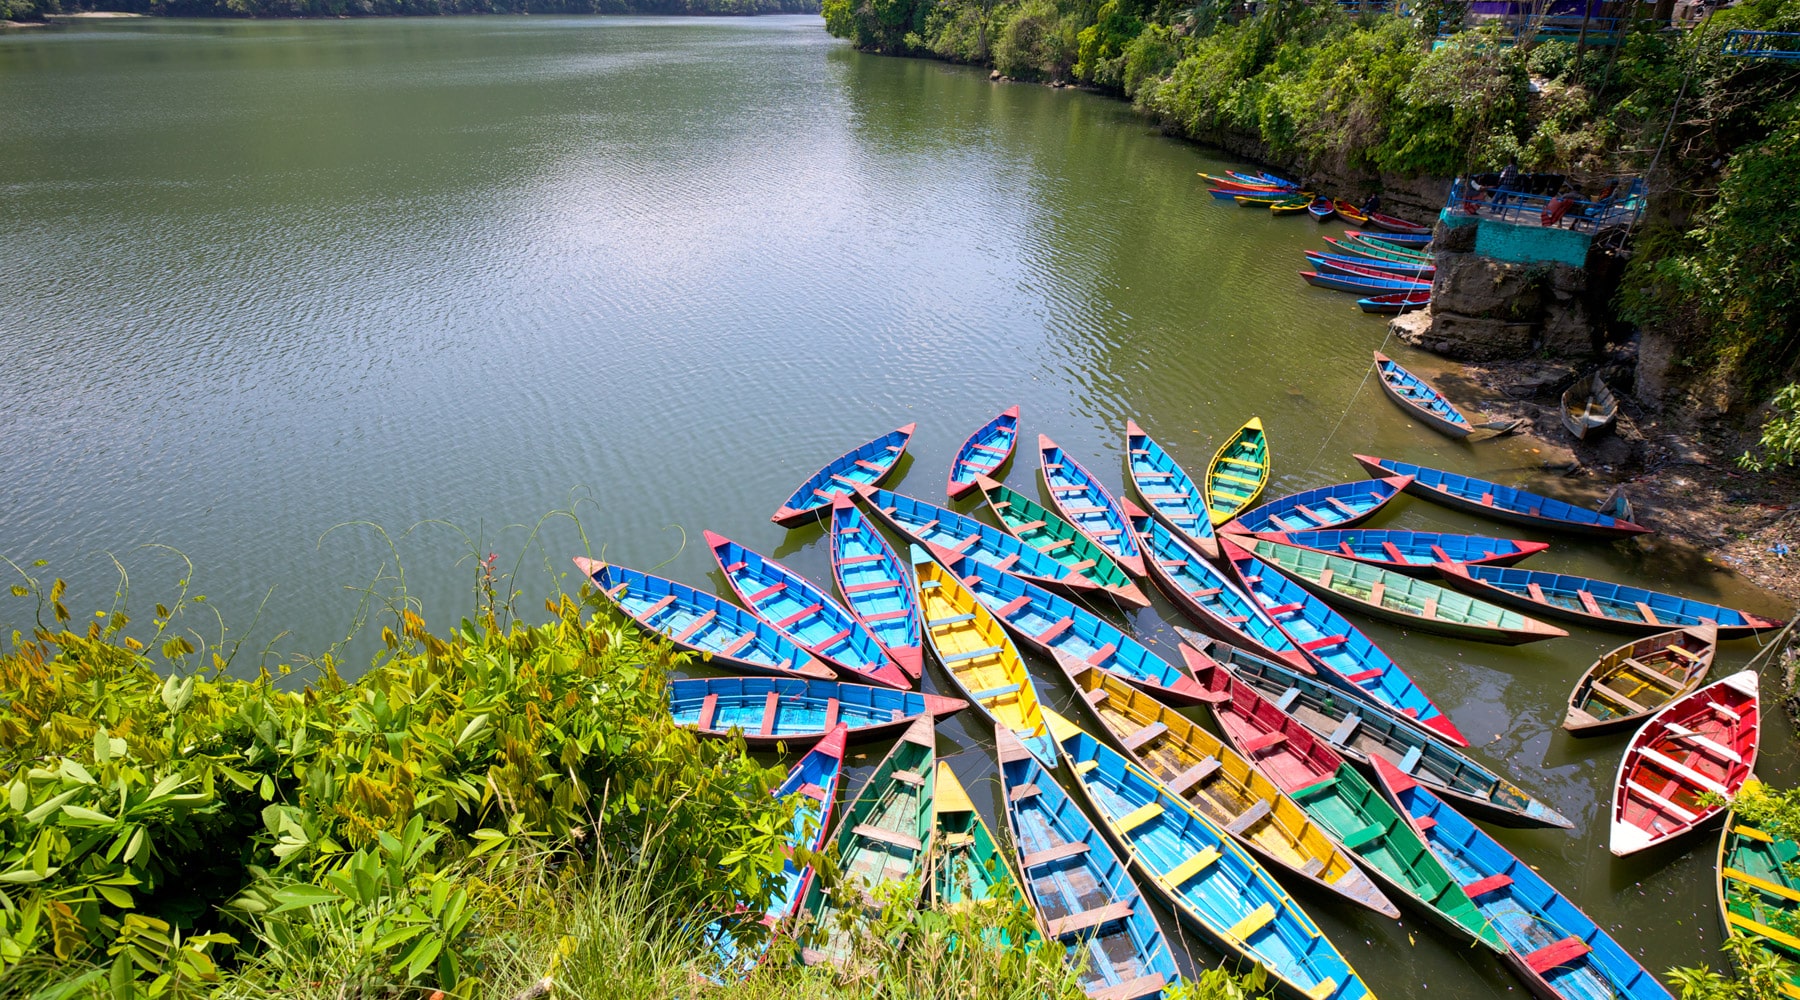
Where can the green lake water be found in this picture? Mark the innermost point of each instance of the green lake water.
(265, 286)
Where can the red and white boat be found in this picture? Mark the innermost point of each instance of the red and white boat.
(1702, 743)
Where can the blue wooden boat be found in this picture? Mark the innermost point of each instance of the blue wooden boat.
(1368, 267)
(1207, 878)
(1363, 285)
(1321, 209)
(865, 465)
(1053, 625)
(1088, 505)
(1557, 950)
(814, 780)
(986, 450)
(944, 531)
(1254, 179)
(1599, 603)
(1079, 891)
(1209, 595)
(1348, 656)
(1417, 397)
(1415, 553)
(875, 586)
(697, 621)
(1337, 506)
(1403, 240)
(1173, 496)
(1503, 503)
(769, 710)
(805, 614)
(1278, 181)
(1364, 731)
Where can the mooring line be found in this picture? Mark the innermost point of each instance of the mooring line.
(1348, 406)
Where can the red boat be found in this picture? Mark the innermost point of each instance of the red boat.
(1702, 743)
(1331, 265)
(1398, 302)
(1394, 225)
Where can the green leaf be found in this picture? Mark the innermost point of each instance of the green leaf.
(116, 896)
(86, 815)
(297, 897)
(25, 876)
(423, 954)
(475, 726)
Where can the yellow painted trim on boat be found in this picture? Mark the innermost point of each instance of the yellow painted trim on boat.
(1179, 875)
(1256, 921)
(1773, 888)
(1753, 833)
(1137, 817)
(951, 796)
(1763, 931)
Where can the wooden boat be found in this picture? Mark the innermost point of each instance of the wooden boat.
(1363, 731)
(983, 454)
(769, 710)
(967, 868)
(1292, 206)
(1627, 685)
(1557, 950)
(1028, 521)
(1055, 626)
(1238, 472)
(1172, 495)
(884, 836)
(1600, 604)
(1341, 802)
(729, 636)
(1685, 763)
(1349, 657)
(1261, 179)
(940, 528)
(1260, 199)
(1415, 553)
(805, 614)
(1505, 503)
(1363, 246)
(1420, 399)
(1403, 600)
(1349, 212)
(1414, 240)
(1211, 883)
(875, 586)
(1079, 891)
(1589, 408)
(866, 465)
(1398, 226)
(1227, 181)
(814, 781)
(1339, 505)
(1363, 286)
(971, 645)
(1209, 596)
(1757, 894)
(1088, 505)
(1221, 784)
(1394, 302)
(1278, 181)
(1370, 267)
(1321, 209)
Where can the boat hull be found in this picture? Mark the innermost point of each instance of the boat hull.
(1600, 603)
(771, 710)
(1629, 684)
(867, 465)
(1502, 503)
(985, 453)
(1420, 399)
(1691, 757)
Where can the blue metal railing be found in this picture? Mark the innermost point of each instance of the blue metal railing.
(1600, 31)
(1622, 208)
(1763, 44)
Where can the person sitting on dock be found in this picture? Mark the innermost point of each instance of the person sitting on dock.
(1371, 205)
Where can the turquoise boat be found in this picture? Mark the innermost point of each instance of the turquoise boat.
(1211, 883)
(1348, 656)
(793, 606)
(941, 530)
(701, 623)
(986, 450)
(1415, 553)
(770, 710)
(875, 586)
(1171, 494)
(1339, 505)
(1087, 504)
(1080, 893)
(1055, 626)
(814, 780)
(864, 465)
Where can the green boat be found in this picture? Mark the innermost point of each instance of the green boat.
(1039, 527)
(1369, 247)
(1395, 597)
(1757, 894)
(967, 866)
(883, 837)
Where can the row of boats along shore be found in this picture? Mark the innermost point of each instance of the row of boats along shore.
(1390, 267)
(1334, 770)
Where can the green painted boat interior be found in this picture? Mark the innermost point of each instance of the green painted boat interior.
(1042, 529)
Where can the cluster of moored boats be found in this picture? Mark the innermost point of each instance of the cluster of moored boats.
(1334, 768)
(1391, 268)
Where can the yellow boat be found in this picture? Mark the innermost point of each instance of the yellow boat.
(978, 656)
(1238, 473)
(1207, 773)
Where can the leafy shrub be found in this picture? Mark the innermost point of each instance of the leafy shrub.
(1035, 43)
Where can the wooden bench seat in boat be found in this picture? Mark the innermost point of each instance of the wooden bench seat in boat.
(1073, 848)
(1075, 923)
(1193, 776)
(1250, 817)
(1179, 875)
(1141, 986)
(869, 831)
(1559, 953)
(1761, 884)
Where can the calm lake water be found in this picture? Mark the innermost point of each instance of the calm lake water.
(321, 303)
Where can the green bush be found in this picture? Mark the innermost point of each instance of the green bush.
(1035, 43)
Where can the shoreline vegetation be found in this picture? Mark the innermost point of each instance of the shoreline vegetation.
(23, 13)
